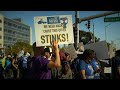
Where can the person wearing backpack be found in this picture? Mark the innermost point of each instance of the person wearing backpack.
(24, 65)
(15, 68)
(75, 68)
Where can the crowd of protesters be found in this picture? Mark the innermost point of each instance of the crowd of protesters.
(57, 64)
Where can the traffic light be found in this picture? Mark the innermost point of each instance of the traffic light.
(75, 32)
(75, 35)
(88, 24)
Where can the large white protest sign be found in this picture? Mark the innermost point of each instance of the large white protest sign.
(100, 48)
(49, 28)
(71, 50)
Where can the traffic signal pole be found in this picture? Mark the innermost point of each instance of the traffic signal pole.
(97, 16)
(76, 29)
(79, 20)
(93, 32)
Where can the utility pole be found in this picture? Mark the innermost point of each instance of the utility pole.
(105, 34)
(88, 26)
(76, 29)
(93, 32)
(106, 30)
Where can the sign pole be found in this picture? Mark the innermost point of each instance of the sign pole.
(77, 28)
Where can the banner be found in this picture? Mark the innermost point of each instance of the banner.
(100, 48)
(49, 28)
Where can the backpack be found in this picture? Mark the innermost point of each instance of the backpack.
(23, 62)
(75, 67)
(7, 63)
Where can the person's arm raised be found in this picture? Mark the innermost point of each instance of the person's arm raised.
(57, 62)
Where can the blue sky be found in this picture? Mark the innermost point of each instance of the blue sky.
(113, 30)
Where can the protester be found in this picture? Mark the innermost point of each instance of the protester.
(96, 66)
(66, 72)
(24, 65)
(116, 65)
(15, 68)
(41, 67)
(8, 73)
(47, 53)
(86, 69)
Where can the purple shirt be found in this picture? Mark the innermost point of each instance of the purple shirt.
(39, 68)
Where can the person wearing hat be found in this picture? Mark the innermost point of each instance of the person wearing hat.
(47, 53)
(41, 67)
(66, 72)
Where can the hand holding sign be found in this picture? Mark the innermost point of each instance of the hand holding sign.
(55, 44)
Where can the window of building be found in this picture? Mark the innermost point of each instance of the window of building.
(14, 32)
(9, 24)
(0, 37)
(5, 30)
(17, 33)
(22, 35)
(14, 25)
(9, 38)
(0, 44)
(9, 31)
(4, 22)
(4, 37)
(14, 39)
(19, 27)
(0, 21)
(26, 35)
(22, 28)
(6, 45)
(0, 29)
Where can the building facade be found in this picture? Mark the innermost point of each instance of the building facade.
(13, 30)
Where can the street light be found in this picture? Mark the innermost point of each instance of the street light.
(116, 44)
(106, 30)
